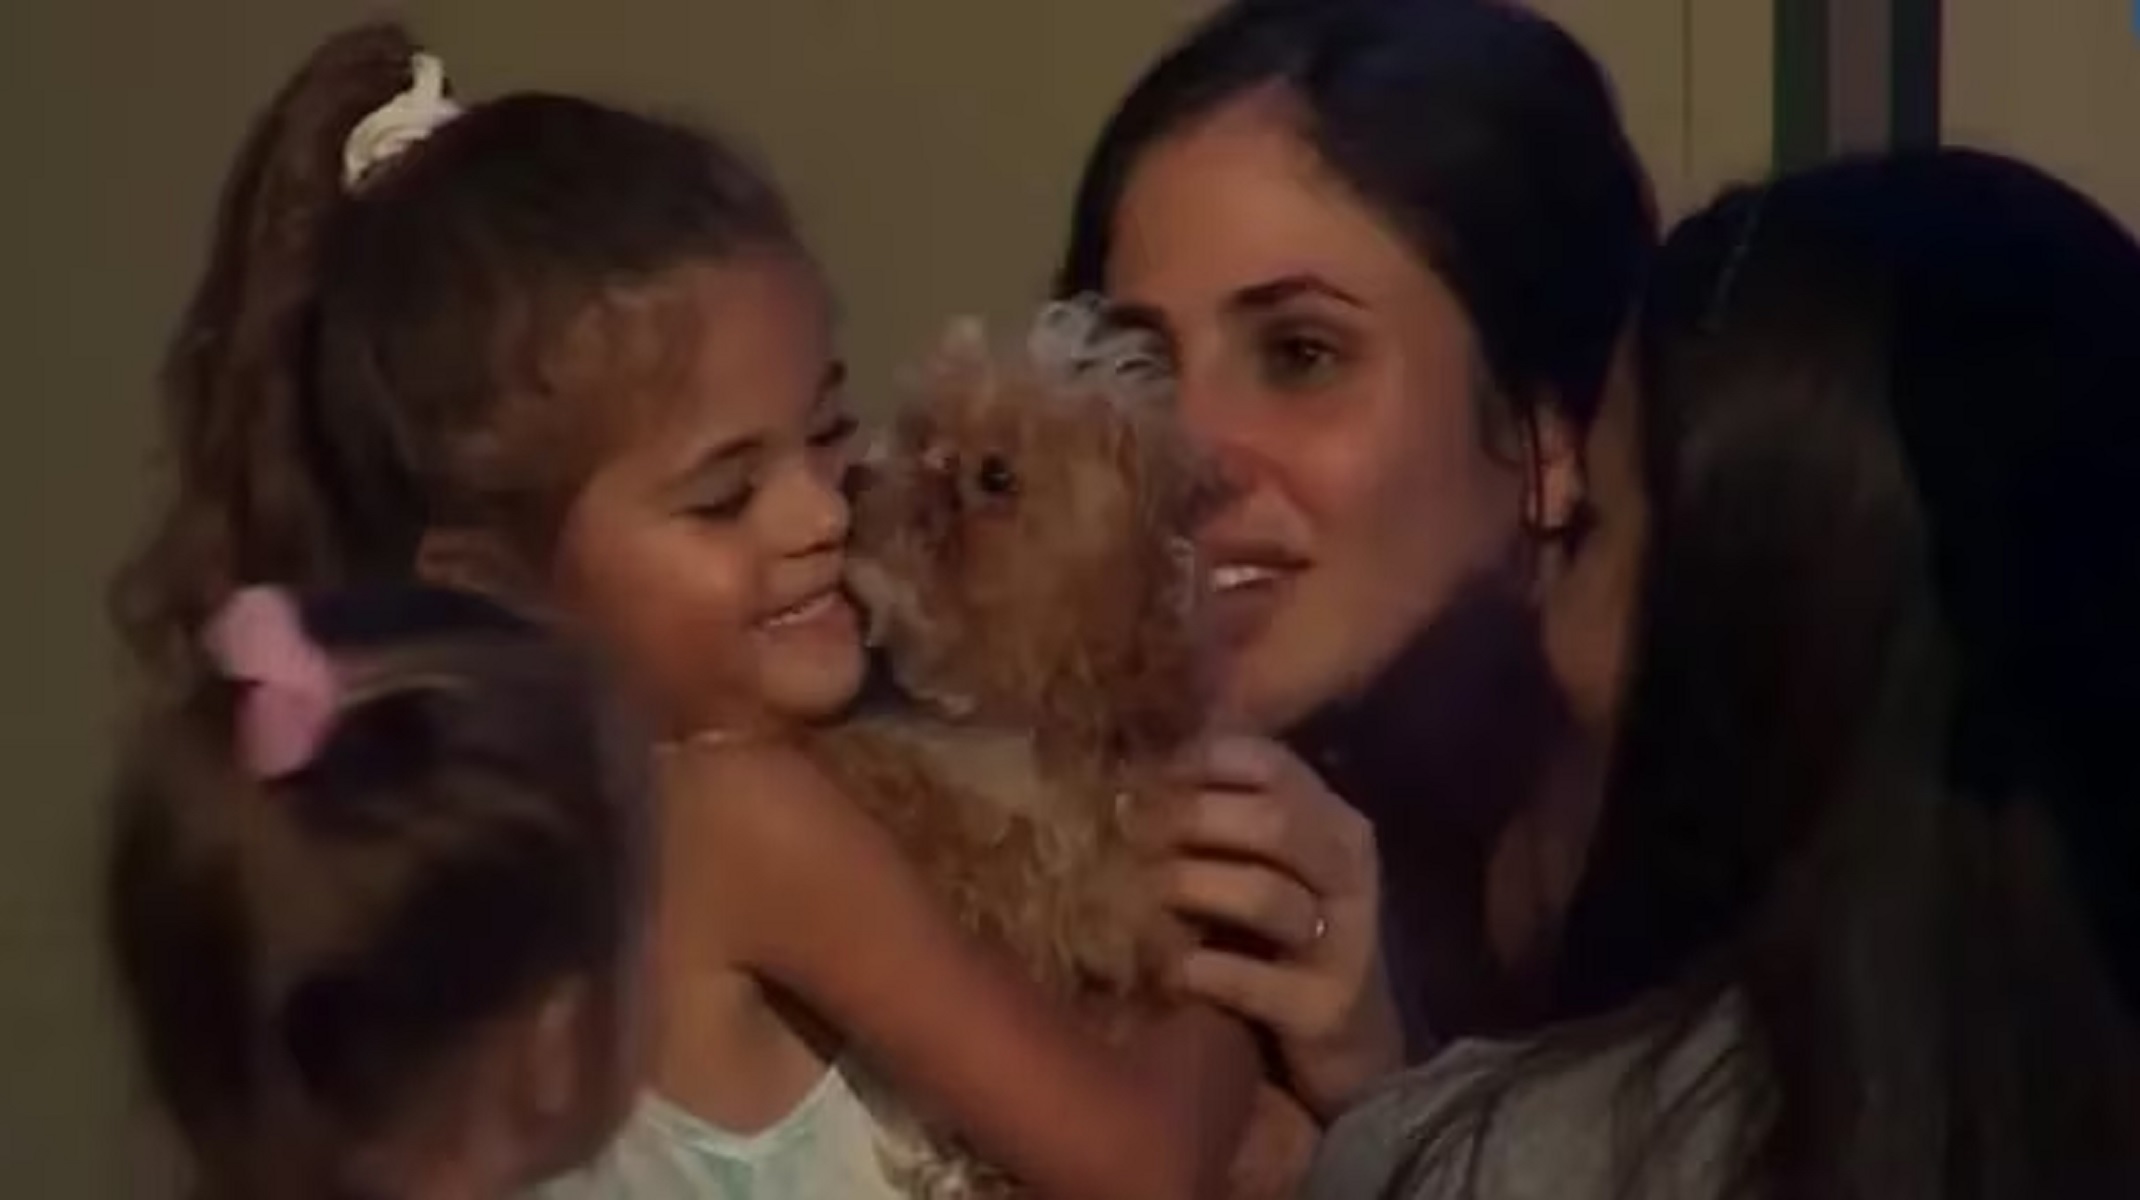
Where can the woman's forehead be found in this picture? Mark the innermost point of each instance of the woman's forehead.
(1240, 198)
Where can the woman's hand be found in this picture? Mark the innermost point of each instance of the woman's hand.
(1260, 847)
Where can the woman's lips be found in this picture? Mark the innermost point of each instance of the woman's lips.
(1244, 595)
(1240, 575)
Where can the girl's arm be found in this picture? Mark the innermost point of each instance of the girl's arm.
(818, 898)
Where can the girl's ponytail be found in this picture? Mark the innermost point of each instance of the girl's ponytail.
(248, 500)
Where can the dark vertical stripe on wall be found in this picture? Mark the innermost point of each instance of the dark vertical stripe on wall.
(1801, 112)
(1838, 68)
(1917, 46)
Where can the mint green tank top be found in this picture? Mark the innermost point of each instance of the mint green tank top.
(826, 1147)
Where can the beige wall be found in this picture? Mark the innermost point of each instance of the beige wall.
(1694, 83)
(113, 138)
(2062, 90)
(930, 144)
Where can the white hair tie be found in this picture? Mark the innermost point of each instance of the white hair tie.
(400, 123)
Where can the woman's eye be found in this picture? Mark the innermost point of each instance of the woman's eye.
(1295, 360)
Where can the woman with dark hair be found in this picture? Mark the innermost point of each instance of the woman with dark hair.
(1389, 246)
(1863, 911)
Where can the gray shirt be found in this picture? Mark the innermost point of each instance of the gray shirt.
(1554, 1136)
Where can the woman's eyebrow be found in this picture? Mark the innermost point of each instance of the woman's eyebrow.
(1259, 297)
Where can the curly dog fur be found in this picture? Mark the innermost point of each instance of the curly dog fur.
(1021, 548)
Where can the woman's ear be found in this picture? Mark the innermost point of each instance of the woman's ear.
(1557, 489)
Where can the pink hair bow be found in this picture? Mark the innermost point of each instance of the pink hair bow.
(258, 639)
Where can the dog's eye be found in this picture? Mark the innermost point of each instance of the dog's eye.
(995, 477)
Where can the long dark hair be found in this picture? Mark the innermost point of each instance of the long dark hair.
(440, 345)
(1490, 141)
(1876, 799)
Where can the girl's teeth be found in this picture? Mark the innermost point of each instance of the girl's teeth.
(801, 612)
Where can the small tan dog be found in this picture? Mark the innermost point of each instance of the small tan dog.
(1022, 547)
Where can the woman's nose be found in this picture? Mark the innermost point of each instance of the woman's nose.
(1215, 483)
(1224, 442)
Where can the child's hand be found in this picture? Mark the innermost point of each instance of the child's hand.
(1262, 848)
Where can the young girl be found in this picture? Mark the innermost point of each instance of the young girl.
(577, 358)
(376, 888)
